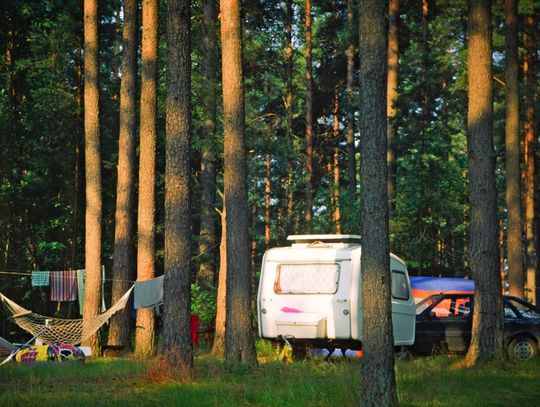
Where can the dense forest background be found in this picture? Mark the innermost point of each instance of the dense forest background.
(41, 130)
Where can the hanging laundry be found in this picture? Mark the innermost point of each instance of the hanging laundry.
(80, 289)
(81, 278)
(63, 285)
(148, 293)
(40, 278)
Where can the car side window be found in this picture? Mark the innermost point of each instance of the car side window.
(453, 307)
(400, 288)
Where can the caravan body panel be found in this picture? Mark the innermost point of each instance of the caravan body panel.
(313, 291)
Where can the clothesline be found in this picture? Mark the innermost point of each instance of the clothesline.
(28, 273)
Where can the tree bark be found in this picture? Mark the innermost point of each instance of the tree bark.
(529, 160)
(309, 122)
(177, 346)
(378, 377)
(487, 325)
(267, 200)
(120, 328)
(218, 347)
(207, 270)
(92, 296)
(516, 272)
(239, 344)
(392, 98)
(146, 228)
(336, 212)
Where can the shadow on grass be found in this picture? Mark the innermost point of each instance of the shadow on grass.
(438, 381)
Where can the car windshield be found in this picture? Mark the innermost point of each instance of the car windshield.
(525, 310)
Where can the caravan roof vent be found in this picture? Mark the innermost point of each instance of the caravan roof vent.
(324, 240)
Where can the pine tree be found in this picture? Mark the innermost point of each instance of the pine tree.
(378, 378)
(92, 292)
(120, 328)
(487, 325)
(146, 229)
(239, 344)
(177, 346)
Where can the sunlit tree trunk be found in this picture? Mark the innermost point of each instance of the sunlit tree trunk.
(218, 347)
(529, 159)
(92, 296)
(516, 274)
(487, 336)
(206, 275)
(378, 386)
(120, 328)
(267, 191)
(177, 346)
(146, 228)
(309, 122)
(239, 344)
(392, 98)
(336, 211)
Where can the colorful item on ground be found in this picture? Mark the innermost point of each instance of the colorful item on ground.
(423, 287)
(54, 352)
(63, 285)
(40, 278)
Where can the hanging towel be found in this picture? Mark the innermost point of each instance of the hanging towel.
(63, 285)
(148, 293)
(80, 289)
(81, 278)
(40, 278)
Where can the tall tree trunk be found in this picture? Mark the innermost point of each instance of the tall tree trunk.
(309, 122)
(206, 275)
(78, 163)
(392, 98)
(289, 106)
(378, 377)
(120, 329)
(92, 292)
(218, 347)
(529, 159)
(351, 148)
(516, 274)
(239, 344)
(267, 198)
(336, 215)
(146, 228)
(487, 334)
(177, 346)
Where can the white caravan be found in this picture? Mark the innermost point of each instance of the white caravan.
(310, 294)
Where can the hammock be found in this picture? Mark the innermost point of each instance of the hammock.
(72, 331)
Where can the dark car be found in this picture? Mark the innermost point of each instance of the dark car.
(443, 325)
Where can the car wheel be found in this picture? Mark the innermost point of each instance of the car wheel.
(522, 348)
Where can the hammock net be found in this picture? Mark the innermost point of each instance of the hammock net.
(72, 331)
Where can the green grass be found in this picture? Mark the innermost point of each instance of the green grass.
(439, 381)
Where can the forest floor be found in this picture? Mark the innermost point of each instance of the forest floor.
(429, 381)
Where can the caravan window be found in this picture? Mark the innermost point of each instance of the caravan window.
(306, 279)
(400, 288)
